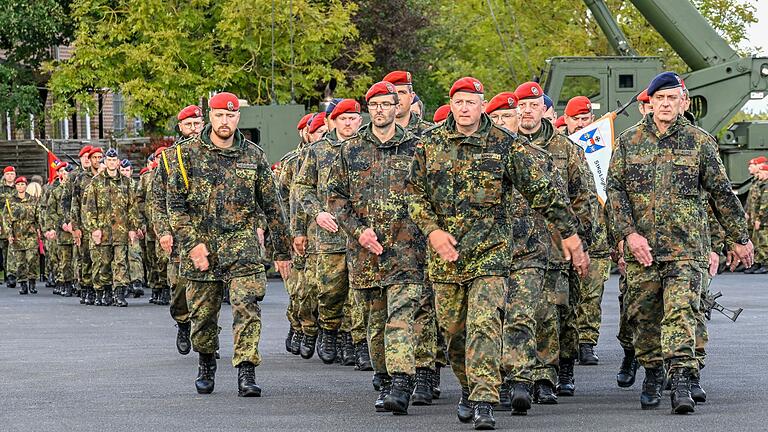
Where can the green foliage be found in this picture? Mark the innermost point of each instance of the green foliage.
(163, 55)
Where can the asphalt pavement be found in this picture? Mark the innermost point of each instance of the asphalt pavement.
(67, 367)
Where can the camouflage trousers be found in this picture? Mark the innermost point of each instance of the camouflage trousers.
(65, 266)
(663, 299)
(588, 311)
(332, 289)
(425, 329)
(51, 258)
(761, 245)
(357, 316)
(391, 340)
(702, 335)
(110, 266)
(150, 264)
(548, 326)
(4, 250)
(179, 309)
(469, 315)
(569, 331)
(292, 286)
(625, 332)
(204, 301)
(161, 266)
(135, 262)
(86, 263)
(524, 293)
(308, 297)
(27, 263)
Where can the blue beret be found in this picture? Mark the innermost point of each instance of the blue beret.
(111, 153)
(151, 158)
(416, 99)
(125, 163)
(664, 81)
(548, 102)
(332, 105)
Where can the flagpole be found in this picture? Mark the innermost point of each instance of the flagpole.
(626, 105)
(42, 145)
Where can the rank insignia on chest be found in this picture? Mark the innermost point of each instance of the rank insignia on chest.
(247, 166)
(494, 156)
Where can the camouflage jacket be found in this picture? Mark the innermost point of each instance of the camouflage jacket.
(761, 208)
(21, 218)
(59, 204)
(368, 190)
(289, 167)
(417, 125)
(5, 192)
(143, 201)
(655, 184)
(216, 197)
(572, 166)
(77, 186)
(465, 184)
(715, 238)
(311, 185)
(110, 205)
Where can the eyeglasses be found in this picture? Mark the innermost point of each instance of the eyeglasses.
(503, 117)
(383, 105)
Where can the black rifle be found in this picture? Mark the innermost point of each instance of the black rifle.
(710, 303)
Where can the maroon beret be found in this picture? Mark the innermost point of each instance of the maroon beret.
(190, 111)
(399, 78)
(529, 90)
(346, 106)
(578, 105)
(224, 100)
(379, 89)
(504, 100)
(317, 121)
(467, 85)
(441, 113)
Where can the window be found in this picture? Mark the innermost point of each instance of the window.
(579, 85)
(626, 81)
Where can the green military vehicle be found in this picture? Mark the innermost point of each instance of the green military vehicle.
(720, 81)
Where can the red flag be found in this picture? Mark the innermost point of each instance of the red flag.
(52, 162)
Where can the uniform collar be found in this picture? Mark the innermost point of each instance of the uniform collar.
(478, 138)
(399, 136)
(652, 128)
(237, 144)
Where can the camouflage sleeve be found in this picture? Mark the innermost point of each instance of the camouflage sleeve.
(284, 180)
(726, 206)
(583, 194)
(761, 208)
(716, 233)
(541, 191)
(140, 194)
(178, 215)
(49, 216)
(90, 208)
(620, 219)
(338, 198)
(74, 211)
(158, 203)
(271, 204)
(419, 192)
(134, 220)
(306, 185)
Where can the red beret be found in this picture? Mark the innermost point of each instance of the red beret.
(317, 121)
(529, 90)
(466, 85)
(346, 106)
(159, 150)
(61, 165)
(224, 100)
(441, 113)
(762, 168)
(379, 89)
(643, 97)
(755, 161)
(504, 100)
(275, 166)
(21, 179)
(578, 105)
(143, 171)
(304, 120)
(190, 111)
(85, 150)
(399, 78)
(95, 150)
(9, 169)
(560, 122)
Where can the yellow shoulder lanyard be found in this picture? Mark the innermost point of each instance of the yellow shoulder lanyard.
(181, 167)
(165, 162)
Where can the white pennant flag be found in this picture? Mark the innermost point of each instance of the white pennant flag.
(597, 142)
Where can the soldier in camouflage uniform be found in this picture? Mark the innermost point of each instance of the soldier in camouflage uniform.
(21, 220)
(55, 229)
(328, 262)
(386, 250)
(155, 263)
(78, 186)
(7, 189)
(759, 222)
(112, 218)
(462, 182)
(49, 256)
(580, 187)
(135, 255)
(216, 194)
(664, 251)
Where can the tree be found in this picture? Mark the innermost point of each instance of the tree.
(162, 55)
(28, 30)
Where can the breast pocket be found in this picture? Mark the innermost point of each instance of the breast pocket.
(685, 172)
(244, 189)
(439, 175)
(639, 173)
(484, 181)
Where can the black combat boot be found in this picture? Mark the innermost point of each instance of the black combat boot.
(68, 288)
(99, 301)
(483, 416)
(422, 390)
(752, 269)
(57, 289)
(32, 288)
(183, 344)
(521, 398)
(465, 410)
(120, 297)
(626, 376)
(246, 380)
(289, 338)
(339, 348)
(206, 374)
(400, 394)
(505, 397)
(129, 290)
(83, 295)
(697, 393)
(650, 398)
(296, 342)
(682, 401)
(155, 297)
(307, 349)
(109, 298)
(348, 356)
(138, 289)
(384, 388)
(90, 296)
(225, 299)
(436, 382)
(761, 269)
(587, 356)
(544, 393)
(23, 288)
(566, 385)
(363, 357)
(326, 349)
(11, 281)
(165, 297)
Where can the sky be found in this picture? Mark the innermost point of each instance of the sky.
(758, 36)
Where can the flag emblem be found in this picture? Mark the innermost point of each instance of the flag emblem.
(591, 141)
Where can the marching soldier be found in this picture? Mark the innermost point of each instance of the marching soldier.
(135, 256)
(78, 187)
(7, 190)
(55, 229)
(22, 223)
